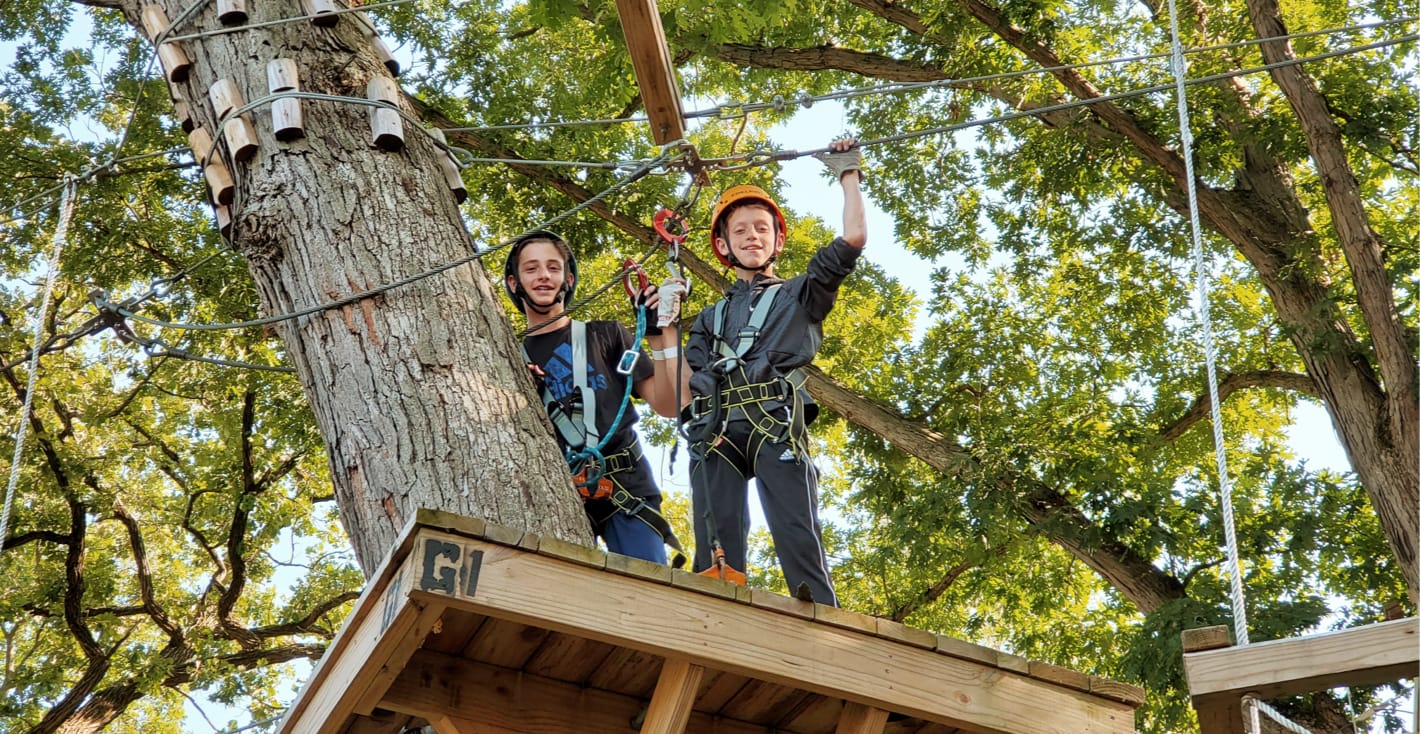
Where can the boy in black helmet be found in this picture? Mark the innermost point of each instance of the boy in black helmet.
(750, 411)
(582, 370)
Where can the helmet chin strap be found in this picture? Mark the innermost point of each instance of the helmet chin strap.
(735, 261)
(531, 305)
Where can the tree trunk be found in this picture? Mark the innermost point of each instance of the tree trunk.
(418, 391)
(1380, 443)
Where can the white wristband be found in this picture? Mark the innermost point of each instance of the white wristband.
(667, 353)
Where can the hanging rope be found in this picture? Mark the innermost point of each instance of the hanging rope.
(66, 212)
(1225, 488)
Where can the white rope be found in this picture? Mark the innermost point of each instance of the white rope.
(66, 212)
(1239, 603)
(1277, 716)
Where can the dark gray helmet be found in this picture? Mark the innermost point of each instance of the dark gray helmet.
(510, 265)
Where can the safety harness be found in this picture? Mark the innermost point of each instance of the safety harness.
(735, 395)
(577, 424)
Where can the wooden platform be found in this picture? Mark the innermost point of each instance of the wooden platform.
(472, 627)
(1219, 675)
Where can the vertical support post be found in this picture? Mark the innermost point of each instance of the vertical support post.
(287, 122)
(452, 177)
(1217, 714)
(673, 698)
(240, 135)
(655, 71)
(386, 127)
(176, 64)
(859, 719)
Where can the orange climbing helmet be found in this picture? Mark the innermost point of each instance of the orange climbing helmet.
(737, 195)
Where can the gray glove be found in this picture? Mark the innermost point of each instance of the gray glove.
(841, 163)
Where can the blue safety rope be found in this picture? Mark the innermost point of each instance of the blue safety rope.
(576, 459)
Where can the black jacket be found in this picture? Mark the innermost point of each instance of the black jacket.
(793, 328)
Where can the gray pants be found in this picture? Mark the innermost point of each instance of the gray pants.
(788, 491)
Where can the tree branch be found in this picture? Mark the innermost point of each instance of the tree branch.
(33, 536)
(1230, 384)
(237, 531)
(306, 624)
(935, 591)
(145, 575)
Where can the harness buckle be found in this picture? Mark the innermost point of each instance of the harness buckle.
(725, 365)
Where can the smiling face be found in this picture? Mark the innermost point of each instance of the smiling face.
(749, 233)
(542, 272)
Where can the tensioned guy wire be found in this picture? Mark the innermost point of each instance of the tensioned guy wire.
(357, 297)
(739, 109)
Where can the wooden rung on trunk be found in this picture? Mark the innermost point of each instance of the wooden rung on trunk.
(201, 143)
(386, 58)
(224, 219)
(219, 179)
(240, 135)
(324, 12)
(287, 123)
(183, 112)
(452, 177)
(225, 97)
(232, 12)
(176, 64)
(241, 138)
(386, 127)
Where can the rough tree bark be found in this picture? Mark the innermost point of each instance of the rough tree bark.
(417, 391)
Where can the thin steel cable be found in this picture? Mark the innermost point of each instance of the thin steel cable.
(96, 324)
(763, 157)
(82, 177)
(357, 297)
(278, 21)
(418, 125)
(733, 110)
(66, 213)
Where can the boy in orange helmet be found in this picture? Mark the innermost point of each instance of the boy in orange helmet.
(749, 411)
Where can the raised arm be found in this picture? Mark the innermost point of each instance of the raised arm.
(845, 159)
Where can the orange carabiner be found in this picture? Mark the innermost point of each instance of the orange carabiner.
(659, 223)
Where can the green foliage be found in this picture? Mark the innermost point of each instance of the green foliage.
(1056, 349)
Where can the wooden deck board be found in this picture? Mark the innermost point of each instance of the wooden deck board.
(465, 632)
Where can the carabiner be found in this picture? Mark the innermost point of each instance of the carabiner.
(631, 267)
(673, 241)
(659, 222)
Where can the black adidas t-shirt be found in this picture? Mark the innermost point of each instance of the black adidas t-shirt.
(606, 342)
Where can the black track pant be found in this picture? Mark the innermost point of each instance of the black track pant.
(788, 491)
